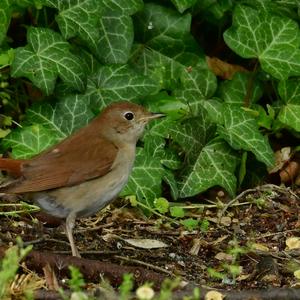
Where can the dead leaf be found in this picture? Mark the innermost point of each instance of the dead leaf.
(243, 277)
(222, 256)
(297, 274)
(259, 247)
(214, 295)
(196, 247)
(226, 221)
(222, 68)
(146, 243)
(145, 292)
(293, 243)
(50, 277)
(289, 172)
(281, 157)
(219, 240)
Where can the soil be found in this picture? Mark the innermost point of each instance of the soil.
(247, 244)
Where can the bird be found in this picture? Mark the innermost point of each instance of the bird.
(83, 173)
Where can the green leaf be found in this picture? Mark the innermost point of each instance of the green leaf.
(145, 179)
(29, 141)
(204, 225)
(116, 37)
(4, 132)
(243, 168)
(193, 134)
(78, 19)
(173, 108)
(129, 7)
(213, 108)
(289, 113)
(148, 171)
(242, 90)
(76, 282)
(162, 68)
(51, 123)
(213, 10)
(169, 178)
(240, 130)
(164, 30)
(190, 224)
(182, 5)
(177, 211)
(116, 30)
(6, 57)
(46, 57)
(171, 159)
(65, 117)
(118, 82)
(272, 39)
(214, 166)
(162, 205)
(197, 84)
(5, 14)
(162, 127)
(265, 118)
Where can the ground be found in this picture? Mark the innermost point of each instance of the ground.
(252, 242)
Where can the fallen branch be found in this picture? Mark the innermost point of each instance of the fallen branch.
(92, 270)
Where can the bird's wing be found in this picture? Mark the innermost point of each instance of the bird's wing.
(79, 158)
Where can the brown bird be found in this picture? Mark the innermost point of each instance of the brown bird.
(84, 172)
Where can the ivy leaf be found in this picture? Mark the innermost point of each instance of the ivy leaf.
(129, 7)
(78, 19)
(214, 10)
(169, 178)
(116, 30)
(171, 159)
(46, 57)
(66, 116)
(240, 130)
(146, 177)
(168, 105)
(213, 108)
(118, 82)
(148, 172)
(5, 14)
(289, 113)
(29, 141)
(193, 134)
(197, 84)
(272, 39)
(183, 5)
(236, 91)
(208, 162)
(162, 68)
(164, 30)
(214, 166)
(166, 46)
(51, 123)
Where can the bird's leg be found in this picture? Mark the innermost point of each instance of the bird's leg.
(70, 223)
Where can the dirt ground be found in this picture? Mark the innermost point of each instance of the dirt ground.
(252, 242)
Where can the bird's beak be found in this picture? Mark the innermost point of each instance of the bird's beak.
(155, 116)
(152, 116)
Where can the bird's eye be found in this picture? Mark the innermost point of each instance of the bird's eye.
(129, 115)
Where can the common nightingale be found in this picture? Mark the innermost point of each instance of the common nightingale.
(86, 171)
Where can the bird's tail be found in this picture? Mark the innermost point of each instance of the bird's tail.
(12, 166)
